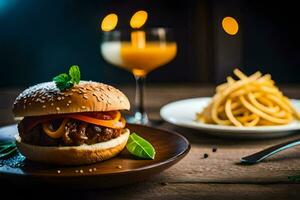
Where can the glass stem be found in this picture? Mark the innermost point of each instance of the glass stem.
(140, 113)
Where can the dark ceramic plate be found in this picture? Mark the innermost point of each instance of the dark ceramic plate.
(121, 170)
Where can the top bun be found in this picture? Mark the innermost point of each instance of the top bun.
(87, 96)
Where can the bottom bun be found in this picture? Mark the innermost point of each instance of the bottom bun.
(74, 155)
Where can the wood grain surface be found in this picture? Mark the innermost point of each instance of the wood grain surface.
(219, 176)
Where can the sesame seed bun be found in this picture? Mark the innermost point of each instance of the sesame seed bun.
(87, 96)
(74, 155)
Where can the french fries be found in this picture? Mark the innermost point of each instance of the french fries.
(248, 101)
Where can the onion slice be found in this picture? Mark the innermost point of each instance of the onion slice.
(55, 134)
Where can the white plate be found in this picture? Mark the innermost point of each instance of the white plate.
(182, 113)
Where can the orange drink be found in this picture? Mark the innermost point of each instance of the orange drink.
(143, 60)
(139, 52)
(139, 61)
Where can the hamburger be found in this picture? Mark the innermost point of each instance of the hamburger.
(78, 125)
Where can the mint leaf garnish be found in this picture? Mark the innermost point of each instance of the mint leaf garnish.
(74, 73)
(65, 81)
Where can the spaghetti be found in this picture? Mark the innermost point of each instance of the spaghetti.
(248, 101)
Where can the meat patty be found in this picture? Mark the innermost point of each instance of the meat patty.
(77, 133)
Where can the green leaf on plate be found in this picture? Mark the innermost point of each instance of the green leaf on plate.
(295, 178)
(7, 149)
(140, 147)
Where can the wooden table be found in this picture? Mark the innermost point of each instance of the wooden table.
(220, 176)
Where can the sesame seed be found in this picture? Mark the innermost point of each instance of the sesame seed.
(58, 171)
(81, 171)
(57, 108)
(62, 97)
(44, 106)
(90, 170)
(52, 104)
(59, 98)
(119, 167)
(83, 107)
(77, 171)
(69, 101)
(94, 169)
(84, 96)
(68, 104)
(97, 97)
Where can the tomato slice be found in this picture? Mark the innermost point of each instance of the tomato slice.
(111, 119)
(109, 115)
(115, 123)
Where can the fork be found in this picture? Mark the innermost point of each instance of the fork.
(261, 155)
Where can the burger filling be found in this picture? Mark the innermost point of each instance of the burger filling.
(71, 129)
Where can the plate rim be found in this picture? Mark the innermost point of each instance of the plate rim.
(175, 158)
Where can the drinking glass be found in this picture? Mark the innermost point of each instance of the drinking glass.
(139, 52)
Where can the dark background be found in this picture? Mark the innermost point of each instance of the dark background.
(39, 39)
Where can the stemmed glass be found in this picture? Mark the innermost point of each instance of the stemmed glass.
(139, 52)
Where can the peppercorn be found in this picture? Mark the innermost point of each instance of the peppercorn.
(214, 149)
